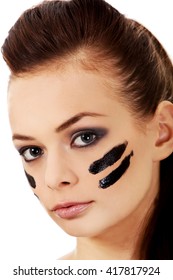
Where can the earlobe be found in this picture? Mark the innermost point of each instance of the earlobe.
(164, 139)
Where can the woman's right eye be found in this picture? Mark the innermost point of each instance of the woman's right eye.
(30, 153)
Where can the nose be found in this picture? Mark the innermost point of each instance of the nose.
(59, 172)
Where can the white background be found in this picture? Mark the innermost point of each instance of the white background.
(26, 232)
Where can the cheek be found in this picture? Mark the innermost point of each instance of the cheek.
(116, 174)
(31, 180)
(110, 158)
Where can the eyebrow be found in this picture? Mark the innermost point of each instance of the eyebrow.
(17, 136)
(62, 127)
(75, 119)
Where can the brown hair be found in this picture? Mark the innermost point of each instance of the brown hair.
(55, 31)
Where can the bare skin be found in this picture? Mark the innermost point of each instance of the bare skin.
(110, 226)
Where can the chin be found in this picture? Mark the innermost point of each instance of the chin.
(83, 226)
(81, 229)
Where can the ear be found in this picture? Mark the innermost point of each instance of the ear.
(164, 130)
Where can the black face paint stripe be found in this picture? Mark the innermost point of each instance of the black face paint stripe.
(108, 159)
(30, 180)
(116, 174)
(36, 195)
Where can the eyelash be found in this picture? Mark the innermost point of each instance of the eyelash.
(96, 133)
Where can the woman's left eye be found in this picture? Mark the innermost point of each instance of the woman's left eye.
(86, 138)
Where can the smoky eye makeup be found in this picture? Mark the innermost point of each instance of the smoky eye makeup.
(87, 136)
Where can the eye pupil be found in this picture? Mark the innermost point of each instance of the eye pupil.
(87, 137)
(34, 151)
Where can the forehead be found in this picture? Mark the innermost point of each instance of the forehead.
(41, 101)
(70, 88)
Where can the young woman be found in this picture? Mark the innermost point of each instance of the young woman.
(90, 106)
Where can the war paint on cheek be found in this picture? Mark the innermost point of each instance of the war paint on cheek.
(108, 159)
(36, 196)
(30, 180)
(116, 174)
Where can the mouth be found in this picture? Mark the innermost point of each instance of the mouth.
(71, 210)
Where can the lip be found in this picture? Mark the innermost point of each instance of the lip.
(69, 210)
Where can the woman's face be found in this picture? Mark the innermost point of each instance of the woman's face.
(67, 126)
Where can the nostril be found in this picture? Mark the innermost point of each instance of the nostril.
(65, 183)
